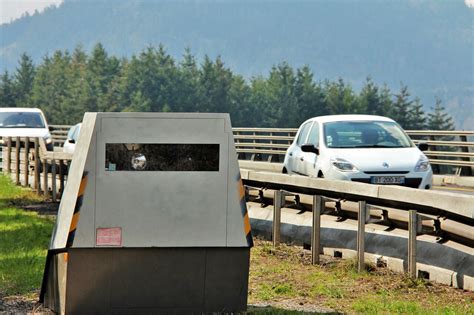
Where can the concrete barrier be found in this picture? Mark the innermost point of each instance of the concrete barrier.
(445, 180)
(448, 263)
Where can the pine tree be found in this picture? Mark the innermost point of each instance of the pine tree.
(241, 110)
(78, 85)
(439, 119)
(188, 80)
(340, 98)
(386, 107)
(402, 107)
(214, 86)
(263, 101)
(7, 93)
(115, 93)
(98, 76)
(369, 100)
(51, 89)
(281, 84)
(309, 96)
(23, 81)
(417, 116)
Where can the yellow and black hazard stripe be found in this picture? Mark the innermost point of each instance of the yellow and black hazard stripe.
(77, 208)
(245, 214)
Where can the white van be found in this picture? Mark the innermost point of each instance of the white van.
(24, 122)
(359, 148)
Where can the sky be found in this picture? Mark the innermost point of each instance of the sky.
(13, 9)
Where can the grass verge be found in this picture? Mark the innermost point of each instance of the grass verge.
(284, 278)
(24, 238)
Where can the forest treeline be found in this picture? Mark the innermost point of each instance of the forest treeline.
(65, 85)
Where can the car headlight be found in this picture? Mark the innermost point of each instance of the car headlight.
(422, 165)
(343, 165)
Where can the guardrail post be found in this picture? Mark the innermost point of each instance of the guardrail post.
(17, 161)
(270, 156)
(37, 167)
(9, 155)
(318, 204)
(434, 167)
(412, 231)
(61, 178)
(361, 235)
(45, 178)
(252, 158)
(277, 203)
(53, 179)
(468, 169)
(26, 161)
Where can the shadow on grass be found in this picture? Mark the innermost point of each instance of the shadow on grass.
(29, 203)
(274, 310)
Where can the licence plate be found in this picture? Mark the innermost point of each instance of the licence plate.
(387, 180)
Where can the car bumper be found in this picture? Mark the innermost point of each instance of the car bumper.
(421, 180)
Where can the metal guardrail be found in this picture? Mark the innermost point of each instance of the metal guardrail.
(448, 148)
(270, 144)
(433, 206)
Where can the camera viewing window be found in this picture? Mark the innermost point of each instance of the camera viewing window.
(162, 157)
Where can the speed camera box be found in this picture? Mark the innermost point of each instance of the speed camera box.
(153, 218)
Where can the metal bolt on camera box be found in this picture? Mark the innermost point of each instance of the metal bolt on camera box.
(152, 219)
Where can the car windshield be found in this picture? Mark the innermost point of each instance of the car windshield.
(21, 120)
(365, 134)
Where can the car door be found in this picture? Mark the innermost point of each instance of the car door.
(68, 146)
(307, 160)
(298, 153)
(294, 151)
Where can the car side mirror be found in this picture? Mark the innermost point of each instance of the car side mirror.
(72, 141)
(310, 148)
(423, 146)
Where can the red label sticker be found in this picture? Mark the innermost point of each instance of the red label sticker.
(109, 237)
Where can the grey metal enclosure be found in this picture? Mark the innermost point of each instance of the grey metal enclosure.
(153, 218)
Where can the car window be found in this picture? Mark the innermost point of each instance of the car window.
(75, 136)
(365, 134)
(21, 120)
(303, 133)
(314, 135)
(71, 132)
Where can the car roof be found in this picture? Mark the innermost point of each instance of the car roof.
(332, 118)
(20, 110)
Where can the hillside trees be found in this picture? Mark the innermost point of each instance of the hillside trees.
(66, 85)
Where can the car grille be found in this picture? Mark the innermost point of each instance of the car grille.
(409, 182)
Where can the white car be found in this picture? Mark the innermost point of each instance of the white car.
(24, 122)
(72, 136)
(359, 148)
